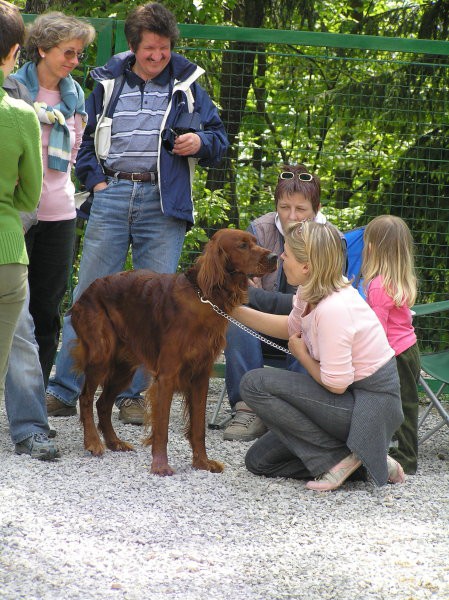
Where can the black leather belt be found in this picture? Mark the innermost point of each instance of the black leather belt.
(139, 177)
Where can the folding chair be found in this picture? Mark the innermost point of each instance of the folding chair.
(436, 365)
(219, 372)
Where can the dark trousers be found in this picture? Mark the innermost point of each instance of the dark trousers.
(406, 436)
(50, 250)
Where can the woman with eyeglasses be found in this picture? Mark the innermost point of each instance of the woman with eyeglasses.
(54, 47)
(343, 412)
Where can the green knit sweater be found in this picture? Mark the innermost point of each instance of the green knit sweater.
(20, 173)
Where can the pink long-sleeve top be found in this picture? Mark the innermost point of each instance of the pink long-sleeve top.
(343, 334)
(57, 201)
(396, 320)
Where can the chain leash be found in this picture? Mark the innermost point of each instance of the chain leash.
(220, 312)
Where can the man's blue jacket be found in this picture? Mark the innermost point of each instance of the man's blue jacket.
(175, 172)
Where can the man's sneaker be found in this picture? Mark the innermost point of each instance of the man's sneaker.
(56, 408)
(244, 427)
(132, 411)
(38, 446)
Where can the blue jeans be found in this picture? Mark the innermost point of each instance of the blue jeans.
(24, 384)
(243, 353)
(124, 214)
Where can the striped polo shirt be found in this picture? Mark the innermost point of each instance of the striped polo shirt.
(136, 123)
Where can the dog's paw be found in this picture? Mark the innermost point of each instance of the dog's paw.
(159, 465)
(95, 448)
(119, 446)
(161, 470)
(208, 465)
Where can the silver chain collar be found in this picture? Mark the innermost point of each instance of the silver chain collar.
(220, 312)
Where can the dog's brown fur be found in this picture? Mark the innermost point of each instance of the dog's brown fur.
(140, 317)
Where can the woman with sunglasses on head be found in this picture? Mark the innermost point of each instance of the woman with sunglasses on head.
(296, 198)
(54, 47)
(343, 412)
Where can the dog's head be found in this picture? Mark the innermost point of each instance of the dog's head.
(232, 254)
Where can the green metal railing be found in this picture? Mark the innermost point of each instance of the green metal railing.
(369, 114)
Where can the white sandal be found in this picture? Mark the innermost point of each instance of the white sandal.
(395, 471)
(334, 478)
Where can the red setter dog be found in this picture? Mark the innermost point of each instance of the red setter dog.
(140, 317)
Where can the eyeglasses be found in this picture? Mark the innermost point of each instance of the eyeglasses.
(70, 54)
(17, 52)
(300, 176)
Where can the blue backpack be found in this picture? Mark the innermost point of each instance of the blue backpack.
(354, 248)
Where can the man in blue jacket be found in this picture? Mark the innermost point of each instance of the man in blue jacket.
(149, 123)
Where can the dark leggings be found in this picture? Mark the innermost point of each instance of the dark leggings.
(50, 250)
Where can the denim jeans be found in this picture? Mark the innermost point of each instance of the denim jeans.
(50, 248)
(125, 214)
(24, 385)
(244, 352)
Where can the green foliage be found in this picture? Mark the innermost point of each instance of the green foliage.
(104, 8)
(210, 212)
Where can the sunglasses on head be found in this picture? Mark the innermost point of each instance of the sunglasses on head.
(300, 176)
(70, 54)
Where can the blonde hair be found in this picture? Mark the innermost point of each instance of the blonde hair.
(321, 247)
(388, 251)
(50, 29)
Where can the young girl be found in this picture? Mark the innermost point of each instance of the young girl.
(390, 283)
(343, 412)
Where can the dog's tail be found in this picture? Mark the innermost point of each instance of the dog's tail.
(79, 356)
(96, 338)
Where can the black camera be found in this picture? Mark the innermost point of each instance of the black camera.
(185, 123)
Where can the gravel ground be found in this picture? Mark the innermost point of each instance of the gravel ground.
(98, 529)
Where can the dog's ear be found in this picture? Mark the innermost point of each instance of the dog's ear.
(211, 268)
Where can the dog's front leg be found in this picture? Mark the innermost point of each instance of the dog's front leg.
(196, 399)
(92, 441)
(161, 394)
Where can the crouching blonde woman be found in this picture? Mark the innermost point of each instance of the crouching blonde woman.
(325, 424)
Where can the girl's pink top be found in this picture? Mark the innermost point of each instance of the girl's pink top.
(57, 201)
(396, 320)
(343, 334)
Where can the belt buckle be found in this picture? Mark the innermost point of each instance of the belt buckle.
(138, 177)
